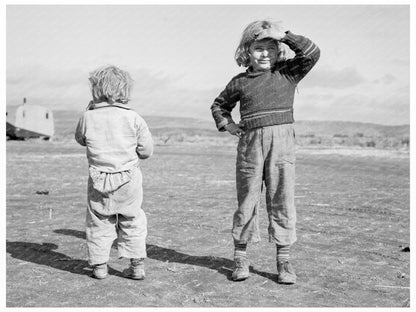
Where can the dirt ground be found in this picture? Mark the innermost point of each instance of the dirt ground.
(353, 225)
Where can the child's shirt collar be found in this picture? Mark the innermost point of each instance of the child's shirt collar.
(252, 73)
(105, 104)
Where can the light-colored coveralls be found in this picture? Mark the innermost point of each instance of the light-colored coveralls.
(115, 137)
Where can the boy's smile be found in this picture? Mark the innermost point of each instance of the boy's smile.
(263, 54)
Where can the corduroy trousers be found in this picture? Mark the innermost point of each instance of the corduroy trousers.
(116, 215)
(266, 156)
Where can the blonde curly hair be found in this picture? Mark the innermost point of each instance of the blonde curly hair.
(250, 33)
(110, 84)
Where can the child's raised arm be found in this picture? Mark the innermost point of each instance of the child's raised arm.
(307, 54)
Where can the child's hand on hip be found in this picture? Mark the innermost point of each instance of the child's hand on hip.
(234, 129)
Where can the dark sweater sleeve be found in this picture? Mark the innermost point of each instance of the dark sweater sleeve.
(307, 55)
(224, 104)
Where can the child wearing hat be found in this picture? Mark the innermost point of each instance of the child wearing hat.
(266, 148)
(116, 138)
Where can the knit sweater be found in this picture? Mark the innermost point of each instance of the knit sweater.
(266, 97)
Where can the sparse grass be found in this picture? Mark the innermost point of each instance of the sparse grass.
(353, 222)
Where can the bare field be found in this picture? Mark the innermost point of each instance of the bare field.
(353, 223)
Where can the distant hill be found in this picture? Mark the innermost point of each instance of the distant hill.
(333, 128)
(178, 122)
(169, 129)
(68, 119)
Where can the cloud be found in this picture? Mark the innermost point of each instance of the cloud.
(334, 78)
(386, 79)
(322, 97)
(400, 62)
(155, 93)
(42, 85)
(168, 100)
(22, 75)
(393, 109)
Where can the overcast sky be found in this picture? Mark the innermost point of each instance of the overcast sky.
(182, 56)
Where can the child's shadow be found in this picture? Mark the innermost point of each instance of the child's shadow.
(44, 254)
(222, 265)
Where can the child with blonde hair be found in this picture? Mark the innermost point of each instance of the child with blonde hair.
(266, 148)
(116, 138)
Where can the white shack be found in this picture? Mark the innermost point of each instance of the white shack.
(29, 121)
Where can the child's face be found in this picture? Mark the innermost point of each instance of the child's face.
(263, 54)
